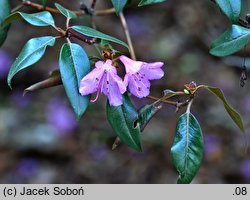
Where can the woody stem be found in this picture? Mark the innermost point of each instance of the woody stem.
(127, 34)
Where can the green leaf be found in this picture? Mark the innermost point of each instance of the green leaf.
(124, 121)
(5, 11)
(32, 52)
(74, 65)
(43, 2)
(148, 2)
(146, 113)
(231, 41)
(187, 149)
(43, 18)
(67, 13)
(97, 34)
(231, 8)
(119, 5)
(232, 113)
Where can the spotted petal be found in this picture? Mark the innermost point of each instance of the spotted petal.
(138, 85)
(89, 84)
(113, 87)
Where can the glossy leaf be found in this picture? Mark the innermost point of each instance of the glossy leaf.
(187, 149)
(148, 2)
(231, 41)
(123, 119)
(119, 5)
(74, 65)
(87, 31)
(5, 11)
(32, 52)
(231, 8)
(67, 13)
(146, 113)
(43, 18)
(232, 113)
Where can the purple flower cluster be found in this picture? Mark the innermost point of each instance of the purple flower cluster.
(103, 78)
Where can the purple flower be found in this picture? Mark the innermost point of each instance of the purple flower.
(28, 167)
(61, 117)
(5, 63)
(245, 169)
(138, 75)
(104, 78)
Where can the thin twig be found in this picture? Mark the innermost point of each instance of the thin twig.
(77, 12)
(126, 31)
(17, 8)
(163, 101)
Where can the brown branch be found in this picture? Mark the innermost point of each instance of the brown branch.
(77, 12)
(126, 31)
(79, 36)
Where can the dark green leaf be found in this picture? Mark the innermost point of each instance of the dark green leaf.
(67, 13)
(5, 11)
(187, 149)
(148, 2)
(231, 8)
(43, 18)
(30, 54)
(124, 121)
(43, 2)
(232, 113)
(87, 31)
(146, 113)
(119, 5)
(74, 65)
(231, 41)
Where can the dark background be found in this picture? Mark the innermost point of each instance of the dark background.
(41, 142)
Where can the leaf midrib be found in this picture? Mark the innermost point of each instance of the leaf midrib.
(37, 18)
(29, 55)
(76, 76)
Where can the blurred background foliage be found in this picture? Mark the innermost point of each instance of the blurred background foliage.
(41, 142)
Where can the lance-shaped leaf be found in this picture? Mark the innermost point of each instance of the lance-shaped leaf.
(67, 13)
(232, 113)
(74, 65)
(43, 18)
(148, 2)
(231, 41)
(124, 121)
(231, 8)
(187, 149)
(5, 11)
(119, 5)
(145, 114)
(90, 32)
(32, 52)
(52, 81)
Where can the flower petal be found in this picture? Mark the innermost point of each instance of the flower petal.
(113, 88)
(138, 86)
(152, 70)
(131, 66)
(89, 83)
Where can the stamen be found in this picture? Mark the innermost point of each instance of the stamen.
(98, 91)
(97, 95)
